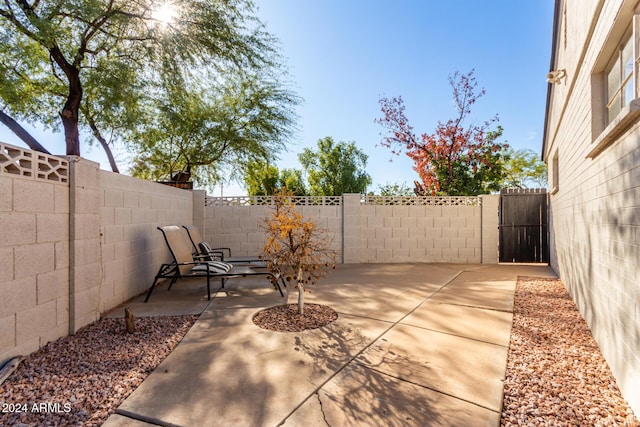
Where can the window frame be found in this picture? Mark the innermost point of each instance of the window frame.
(618, 59)
(606, 130)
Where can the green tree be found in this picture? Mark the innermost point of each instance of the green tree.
(262, 179)
(456, 159)
(524, 169)
(213, 132)
(86, 63)
(394, 189)
(335, 168)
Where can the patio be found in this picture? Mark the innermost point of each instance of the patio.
(414, 344)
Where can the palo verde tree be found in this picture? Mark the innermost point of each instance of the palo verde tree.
(212, 130)
(85, 63)
(456, 159)
(297, 248)
(335, 168)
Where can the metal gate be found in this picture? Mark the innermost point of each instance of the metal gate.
(523, 226)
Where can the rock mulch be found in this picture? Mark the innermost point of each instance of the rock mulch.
(82, 379)
(556, 375)
(285, 317)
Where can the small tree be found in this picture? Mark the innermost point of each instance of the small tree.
(296, 248)
(456, 159)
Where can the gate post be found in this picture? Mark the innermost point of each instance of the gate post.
(85, 253)
(489, 228)
(351, 228)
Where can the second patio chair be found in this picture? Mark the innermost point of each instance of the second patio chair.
(185, 265)
(204, 250)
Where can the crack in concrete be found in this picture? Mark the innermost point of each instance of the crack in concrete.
(324, 416)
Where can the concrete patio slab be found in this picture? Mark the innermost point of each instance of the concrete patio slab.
(249, 376)
(117, 420)
(466, 368)
(471, 322)
(188, 296)
(414, 344)
(360, 396)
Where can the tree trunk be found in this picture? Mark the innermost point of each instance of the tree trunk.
(21, 133)
(129, 320)
(300, 293)
(69, 117)
(70, 112)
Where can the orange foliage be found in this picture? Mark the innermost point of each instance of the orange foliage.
(296, 248)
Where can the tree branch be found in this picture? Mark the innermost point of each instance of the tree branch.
(21, 133)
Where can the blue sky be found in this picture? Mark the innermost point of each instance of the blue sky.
(343, 55)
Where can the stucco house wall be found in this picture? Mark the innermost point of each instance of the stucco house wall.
(594, 183)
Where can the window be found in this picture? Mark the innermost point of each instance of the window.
(619, 81)
(615, 82)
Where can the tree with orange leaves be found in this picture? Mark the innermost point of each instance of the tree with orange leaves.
(296, 249)
(456, 159)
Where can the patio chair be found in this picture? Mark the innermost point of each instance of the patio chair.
(202, 249)
(185, 265)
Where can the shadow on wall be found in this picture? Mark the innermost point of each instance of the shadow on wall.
(597, 251)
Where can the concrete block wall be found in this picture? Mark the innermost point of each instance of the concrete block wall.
(595, 198)
(489, 229)
(239, 227)
(34, 262)
(75, 241)
(374, 233)
(420, 234)
(130, 210)
(84, 243)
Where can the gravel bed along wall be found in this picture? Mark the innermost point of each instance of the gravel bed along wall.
(82, 379)
(556, 375)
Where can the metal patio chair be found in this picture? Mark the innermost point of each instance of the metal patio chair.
(184, 264)
(204, 250)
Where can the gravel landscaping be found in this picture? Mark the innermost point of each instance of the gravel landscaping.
(285, 317)
(555, 372)
(556, 375)
(82, 379)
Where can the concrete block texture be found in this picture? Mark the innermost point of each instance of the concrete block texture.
(17, 229)
(7, 333)
(52, 285)
(35, 321)
(30, 260)
(18, 295)
(32, 196)
(595, 195)
(6, 194)
(6, 271)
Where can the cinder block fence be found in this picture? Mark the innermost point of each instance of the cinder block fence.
(76, 241)
(372, 229)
